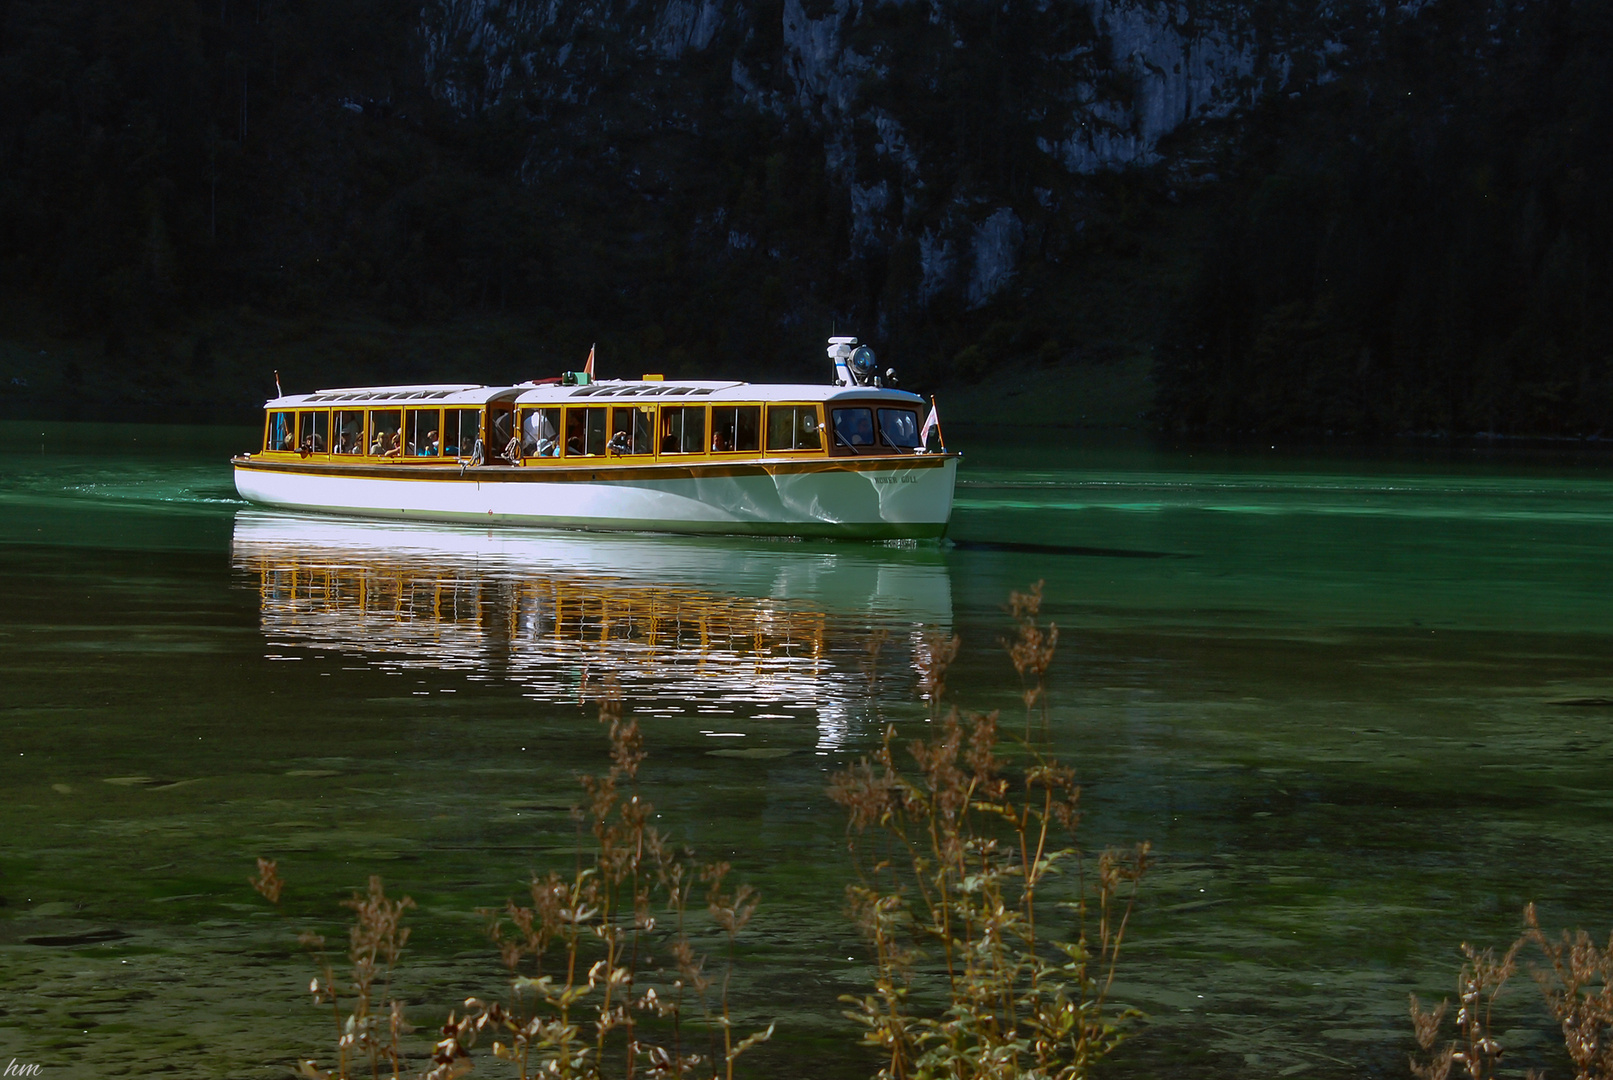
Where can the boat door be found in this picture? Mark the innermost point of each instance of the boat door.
(500, 430)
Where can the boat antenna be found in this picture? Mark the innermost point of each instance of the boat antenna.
(278, 392)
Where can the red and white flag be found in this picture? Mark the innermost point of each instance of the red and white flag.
(589, 367)
(931, 422)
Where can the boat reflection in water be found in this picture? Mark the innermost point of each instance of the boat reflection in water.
(685, 625)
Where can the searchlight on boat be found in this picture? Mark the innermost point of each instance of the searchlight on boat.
(856, 365)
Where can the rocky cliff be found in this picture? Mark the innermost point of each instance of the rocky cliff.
(1300, 215)
(951, 124)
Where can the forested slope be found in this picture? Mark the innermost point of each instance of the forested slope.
(1423, 245)
(1301, 217)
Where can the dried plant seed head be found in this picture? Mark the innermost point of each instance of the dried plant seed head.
(268, 883)
(1026, 605)
(932, 657)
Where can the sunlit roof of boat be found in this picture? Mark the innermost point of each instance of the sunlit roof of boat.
(624, 389)
(432, 393)
(604, 390)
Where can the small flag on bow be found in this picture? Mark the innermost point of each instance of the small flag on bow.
(932, 422)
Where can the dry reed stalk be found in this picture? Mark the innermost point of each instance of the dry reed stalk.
(579, 1007)
(1576, 985)
(1475, 1049)
(375, 942)
(594, 931)
(934, 655)
(951, 861)
(1031, 652)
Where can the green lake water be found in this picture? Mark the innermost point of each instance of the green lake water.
(1359, 703)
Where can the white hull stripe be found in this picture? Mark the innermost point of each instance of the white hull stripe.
(902, 497)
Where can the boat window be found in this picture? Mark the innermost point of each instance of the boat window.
(683, 429)
(585, 432)
(899, 428)
(793, 427)
(501, 433)
(281, 433)
(313, 432)
(460, 430)
(736, 427)
(422, 433)
(854, 427)
(385, 440)
(632, 430)
(540, 432)
(347, 427)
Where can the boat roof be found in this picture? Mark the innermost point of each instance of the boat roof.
(433, 393)
(671, 390)
(604, 390)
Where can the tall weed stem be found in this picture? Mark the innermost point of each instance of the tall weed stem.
(952, 859)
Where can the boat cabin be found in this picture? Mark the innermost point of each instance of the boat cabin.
(386, 423)
(638, 421)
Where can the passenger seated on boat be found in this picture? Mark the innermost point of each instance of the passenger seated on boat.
(432, 448)
(719, 441)
(289, 442)
(620, 443)
(548, 448)
(395, 448)
(854, 427)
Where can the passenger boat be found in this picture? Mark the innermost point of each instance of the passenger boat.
(847, 459)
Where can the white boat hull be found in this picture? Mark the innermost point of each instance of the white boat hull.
(869, 498)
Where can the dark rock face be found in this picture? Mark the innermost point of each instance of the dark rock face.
(1302, 216)
(946, 125)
